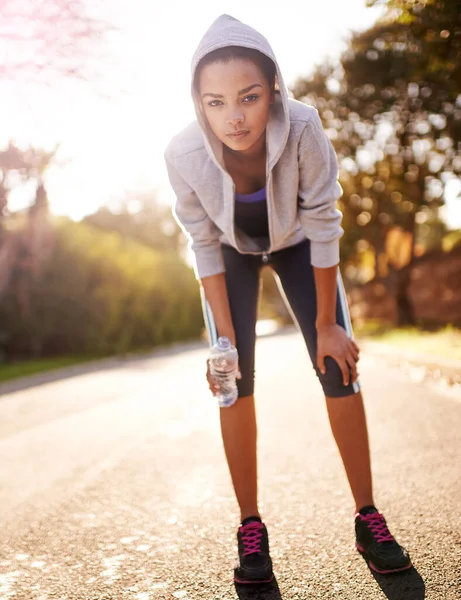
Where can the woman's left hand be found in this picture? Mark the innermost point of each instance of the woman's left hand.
(332, 340)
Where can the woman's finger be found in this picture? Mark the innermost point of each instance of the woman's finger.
(321, 363)
(354, 350)
(344, 369)
(214, 387)
(355, 354)
(351, 361)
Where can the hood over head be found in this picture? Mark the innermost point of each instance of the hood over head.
(228, 31)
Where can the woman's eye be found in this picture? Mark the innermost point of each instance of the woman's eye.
(246, 100)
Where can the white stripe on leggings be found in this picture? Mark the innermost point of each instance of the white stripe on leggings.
(209, 319)
(346, 316)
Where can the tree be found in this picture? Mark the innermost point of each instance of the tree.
(23, 254)
(18, 166)
(46, 39)
(393, 111)
(395, 118)
(435, 28)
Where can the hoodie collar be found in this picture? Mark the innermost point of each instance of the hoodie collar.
(228, 31)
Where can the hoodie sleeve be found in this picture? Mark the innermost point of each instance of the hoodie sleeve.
(202, 233)
(319, 191)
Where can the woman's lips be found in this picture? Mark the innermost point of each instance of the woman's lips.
(238, 135)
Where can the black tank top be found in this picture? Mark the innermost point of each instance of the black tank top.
(250, 214)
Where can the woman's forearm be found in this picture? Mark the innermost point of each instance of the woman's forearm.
(216, 294)
(326, 288)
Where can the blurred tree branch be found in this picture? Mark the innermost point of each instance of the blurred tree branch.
(141, 217)
(44, 39)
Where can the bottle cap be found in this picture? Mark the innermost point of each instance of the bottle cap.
(224, 343)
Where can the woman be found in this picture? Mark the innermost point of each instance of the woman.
(256, 184)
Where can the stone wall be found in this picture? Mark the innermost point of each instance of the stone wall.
(430, 289)
(434, 288)
(373, 301)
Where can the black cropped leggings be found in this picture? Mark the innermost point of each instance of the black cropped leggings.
(295, 277)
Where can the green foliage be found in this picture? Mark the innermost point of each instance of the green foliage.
(34, 367)
(393, 111)
(451, 241)
(99, 293)
(433, 29)
(141, 218)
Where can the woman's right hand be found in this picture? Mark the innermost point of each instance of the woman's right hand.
(214, 387)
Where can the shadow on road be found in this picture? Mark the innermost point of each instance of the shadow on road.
(402, 586)
(265, 591)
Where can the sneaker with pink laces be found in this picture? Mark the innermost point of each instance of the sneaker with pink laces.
(379, 547)
(253, 549)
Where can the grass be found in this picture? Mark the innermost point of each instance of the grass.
(32, 367)
(443, 342)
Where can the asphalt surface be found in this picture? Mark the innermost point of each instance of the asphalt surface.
(113, 484)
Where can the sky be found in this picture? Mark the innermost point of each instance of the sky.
(113, 146)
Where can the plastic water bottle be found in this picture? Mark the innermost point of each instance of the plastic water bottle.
(223, 369)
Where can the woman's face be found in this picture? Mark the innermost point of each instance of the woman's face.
(235, 97)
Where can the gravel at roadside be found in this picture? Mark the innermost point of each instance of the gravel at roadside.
(422, 365)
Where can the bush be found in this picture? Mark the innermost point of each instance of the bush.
(100, 293)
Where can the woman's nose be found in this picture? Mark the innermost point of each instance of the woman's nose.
(235, 117)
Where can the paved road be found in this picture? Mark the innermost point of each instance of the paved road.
(113, 485)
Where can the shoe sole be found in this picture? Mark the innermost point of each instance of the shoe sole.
(255, 581)
(375, 568)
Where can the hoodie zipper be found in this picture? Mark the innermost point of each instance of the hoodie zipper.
(268, 202)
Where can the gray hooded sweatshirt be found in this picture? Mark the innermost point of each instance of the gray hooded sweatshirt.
(301, 173)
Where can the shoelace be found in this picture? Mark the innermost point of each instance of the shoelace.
(377, 525)
(251, 537)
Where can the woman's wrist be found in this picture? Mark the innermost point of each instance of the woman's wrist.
(324, 325)
(326, 291)
(215, 290)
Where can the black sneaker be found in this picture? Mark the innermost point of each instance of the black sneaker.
(376, 543)
(253, 548)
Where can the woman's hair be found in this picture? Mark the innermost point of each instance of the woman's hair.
(228, 53)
